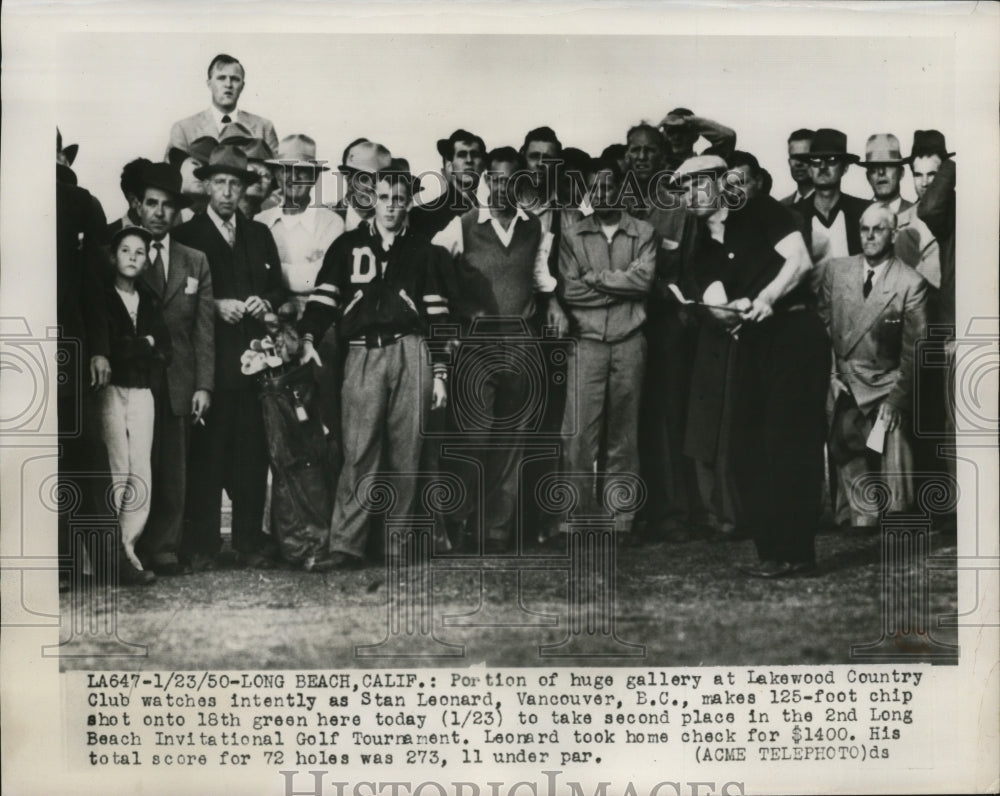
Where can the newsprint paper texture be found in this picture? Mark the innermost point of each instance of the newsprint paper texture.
(660, 669)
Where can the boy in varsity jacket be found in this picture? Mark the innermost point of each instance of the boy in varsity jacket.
(381, 284)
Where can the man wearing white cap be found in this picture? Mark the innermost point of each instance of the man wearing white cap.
(751, 259)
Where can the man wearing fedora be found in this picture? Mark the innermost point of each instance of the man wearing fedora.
(362, 159)
(875, 308)
(131, 184)
(226, 81)
(228, 446)
(830, 217)
(303, 232)
(181, 279)
(462, 155)
(883, 166)
(186, 162)
(916, 243)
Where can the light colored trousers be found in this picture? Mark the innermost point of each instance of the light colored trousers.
(127, 415)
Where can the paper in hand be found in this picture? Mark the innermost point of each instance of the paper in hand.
(876, 438)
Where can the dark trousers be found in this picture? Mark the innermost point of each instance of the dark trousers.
(669, 475)
(782, 374)
(161, 540)
(229, 452)
(84, 473)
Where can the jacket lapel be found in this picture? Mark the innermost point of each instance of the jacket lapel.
(177, 273)
(871, 308)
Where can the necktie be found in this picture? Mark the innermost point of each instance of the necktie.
(226, 119)
(231, 236)
(867, 289)
(159, 274)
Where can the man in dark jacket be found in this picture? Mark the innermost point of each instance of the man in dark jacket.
(82, 346)
(229, 450)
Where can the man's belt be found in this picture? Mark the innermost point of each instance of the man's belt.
(378, 340)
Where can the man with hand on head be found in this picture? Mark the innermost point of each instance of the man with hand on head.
(462, 156)
(226, 81)
(181, 280)
(230, 450)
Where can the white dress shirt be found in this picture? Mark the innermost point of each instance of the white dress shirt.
(302, 240)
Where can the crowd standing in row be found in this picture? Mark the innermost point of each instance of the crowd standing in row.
(717, 342)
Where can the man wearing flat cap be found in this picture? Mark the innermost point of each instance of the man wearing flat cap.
(230, 451)
(226, 81)
(753, 269)
(181, 279)
(830, 217)
(462, 155)
(362, 160)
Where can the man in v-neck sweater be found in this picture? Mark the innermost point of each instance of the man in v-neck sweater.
(831, 218)
(500, 246)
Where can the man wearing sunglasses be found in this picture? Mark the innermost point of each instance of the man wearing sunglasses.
(831, 218)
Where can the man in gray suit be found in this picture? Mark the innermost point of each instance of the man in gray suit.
(875, 307)
(226, 80)
(181, 279)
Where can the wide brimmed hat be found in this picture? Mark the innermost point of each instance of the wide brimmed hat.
(166, 178)
(257, 151)
(828, 143)
(200, 150)
(125, 231)
(234, 132)
(69, 151)
(929, 142)
(882, 149)
(227, 159)
(366, 156)
(299, 149)
(445, 146)
(701, 164)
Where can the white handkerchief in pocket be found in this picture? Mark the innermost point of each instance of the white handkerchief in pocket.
(191, 287)
(669, 245)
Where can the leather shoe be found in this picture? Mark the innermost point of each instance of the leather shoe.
(170, 569)
(254, 561)
(769, 570)
(128, 575)
(338, 561)
(202, 562)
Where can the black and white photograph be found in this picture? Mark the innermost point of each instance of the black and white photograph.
(534, 387)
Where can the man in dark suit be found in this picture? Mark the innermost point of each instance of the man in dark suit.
(226, 80)
(229, 450)
(182, 281)
(830, 218)
(875, 307)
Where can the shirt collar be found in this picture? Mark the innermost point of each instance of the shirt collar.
(374, 232)
(217, 115)
(485, 215)
(217, 219)
(626, 224)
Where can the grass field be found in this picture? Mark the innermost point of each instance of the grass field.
(684, 604)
